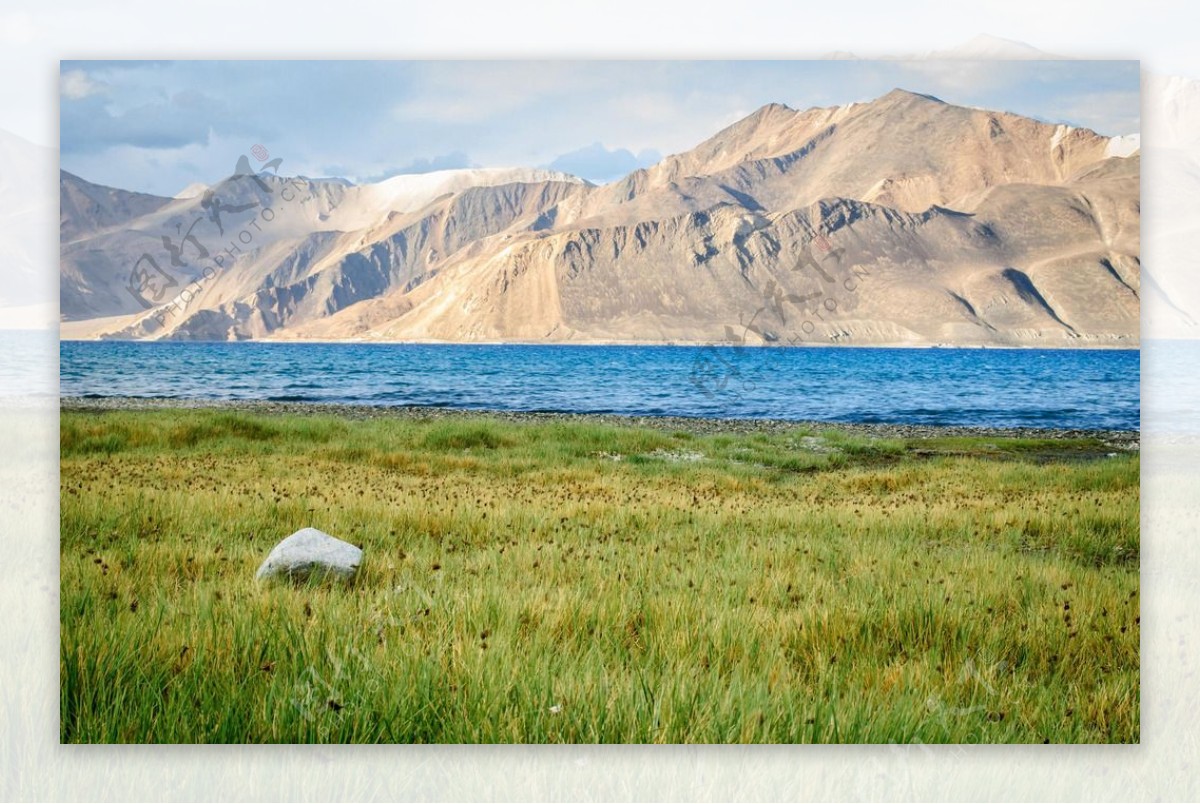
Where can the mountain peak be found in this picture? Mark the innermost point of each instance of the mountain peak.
(905, 95)
(767, 114)
(772, 108)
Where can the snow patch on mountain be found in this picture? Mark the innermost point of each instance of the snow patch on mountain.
(194, 190)
(410, 192)
(364, 205)
(1127, 145)
(1059, 132)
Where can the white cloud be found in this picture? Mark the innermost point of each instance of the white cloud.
(76, 84)
(472, 92)
(449, 110)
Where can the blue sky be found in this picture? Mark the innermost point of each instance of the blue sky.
(158, 126)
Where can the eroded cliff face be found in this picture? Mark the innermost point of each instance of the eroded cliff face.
(902, 221)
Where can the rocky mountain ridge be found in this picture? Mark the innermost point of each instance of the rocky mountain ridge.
(903, 221)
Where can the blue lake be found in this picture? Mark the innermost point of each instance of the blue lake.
(985, 387)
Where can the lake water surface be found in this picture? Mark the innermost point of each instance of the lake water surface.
(984, 387)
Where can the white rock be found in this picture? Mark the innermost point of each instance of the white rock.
(311, 553)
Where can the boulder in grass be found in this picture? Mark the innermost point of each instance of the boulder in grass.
(309, 553)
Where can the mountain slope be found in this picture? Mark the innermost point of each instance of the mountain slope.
(86, 208)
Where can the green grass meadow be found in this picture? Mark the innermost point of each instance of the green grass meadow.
(575, 582)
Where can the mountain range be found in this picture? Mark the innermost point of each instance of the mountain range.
(902, 221)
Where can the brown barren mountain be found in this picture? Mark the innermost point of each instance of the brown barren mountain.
(903, 221)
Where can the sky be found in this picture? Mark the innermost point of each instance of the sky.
(160, 126)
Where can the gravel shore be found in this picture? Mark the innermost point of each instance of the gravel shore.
(1117, 439)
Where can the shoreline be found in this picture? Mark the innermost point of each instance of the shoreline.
(1129, 440)
(906, 345)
